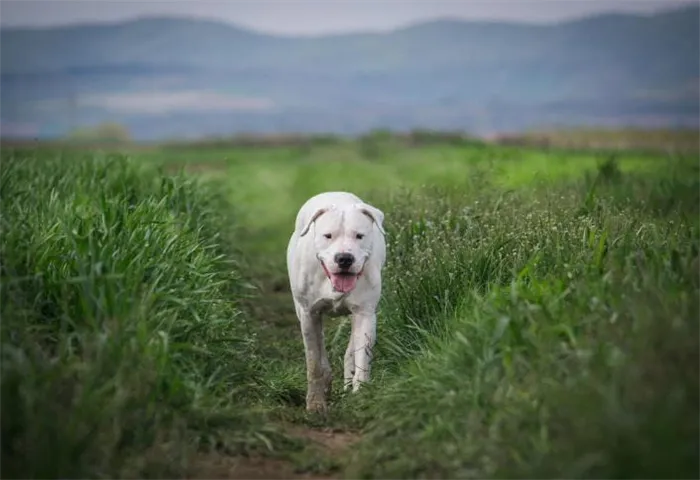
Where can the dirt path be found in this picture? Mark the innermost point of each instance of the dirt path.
(273, 318)
(325, 445)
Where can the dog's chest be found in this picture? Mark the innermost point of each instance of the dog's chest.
(333, 307)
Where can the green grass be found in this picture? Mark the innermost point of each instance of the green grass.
(660, 140)
(121, 332)
(549, 333)
(539, 316)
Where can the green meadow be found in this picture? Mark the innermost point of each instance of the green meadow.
(539, 316)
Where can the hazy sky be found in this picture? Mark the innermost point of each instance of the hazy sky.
(319, 16)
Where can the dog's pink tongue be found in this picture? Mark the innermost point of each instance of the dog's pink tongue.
(343, 283)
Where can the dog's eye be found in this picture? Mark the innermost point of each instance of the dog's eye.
(327, 235)
(360, 236)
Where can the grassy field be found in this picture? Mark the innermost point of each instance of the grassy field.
(539, 318)
(659, 140)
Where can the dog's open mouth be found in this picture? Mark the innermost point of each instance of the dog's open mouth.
(343, 282)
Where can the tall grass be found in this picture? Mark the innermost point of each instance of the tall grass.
(123, 347)
(548, 333)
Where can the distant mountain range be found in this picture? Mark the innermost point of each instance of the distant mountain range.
(176, 78)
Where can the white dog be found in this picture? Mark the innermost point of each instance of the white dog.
(334, 260)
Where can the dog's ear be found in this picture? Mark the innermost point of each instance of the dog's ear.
(374, 213)
(316, 214)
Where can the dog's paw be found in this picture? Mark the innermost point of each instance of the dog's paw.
(317, 405)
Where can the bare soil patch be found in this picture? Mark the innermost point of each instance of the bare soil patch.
(333, 441)
(324, 443)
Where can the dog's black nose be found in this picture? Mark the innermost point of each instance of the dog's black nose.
(344, 260)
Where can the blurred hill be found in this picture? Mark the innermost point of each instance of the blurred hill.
(175, 77)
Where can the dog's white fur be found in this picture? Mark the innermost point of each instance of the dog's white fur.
(356, 228)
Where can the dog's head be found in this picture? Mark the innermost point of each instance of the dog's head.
(343, 239)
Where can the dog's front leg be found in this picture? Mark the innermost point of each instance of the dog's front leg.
(318, 369)
(364, 334)
(349, 364)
